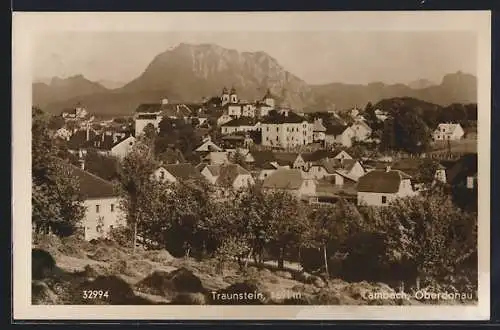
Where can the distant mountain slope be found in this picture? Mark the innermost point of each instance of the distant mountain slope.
(63, 89)
(188, 73)
(421, 83)
(455, 88)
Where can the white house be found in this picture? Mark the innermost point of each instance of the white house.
(208, 146)
(242, 124)
(362, 131)
(102, 205)
(319, 130)
(173, 173)
(224, 118)
(292, 181)
(341, 135)
(112, 144)
(228, 176)
(286, 129)
(448, 131)
(380, 187)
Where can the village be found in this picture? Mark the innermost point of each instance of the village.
(314, 157)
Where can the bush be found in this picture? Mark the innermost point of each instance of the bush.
(122, 236)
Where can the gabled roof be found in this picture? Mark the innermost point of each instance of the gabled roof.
(228, 173)
(284, 179)
(381, 181)
(242, 121)
(284, 117)
(168, 110)
(217, 157)
(208, 146)
(262, 157)
(318, 155)
(184, 171)
(362, 123)
(106, 143)
(449, 128)
(335, 130)
(318, 126)
(285, 158)
(214, 169)
(325, 188)
(91, 186)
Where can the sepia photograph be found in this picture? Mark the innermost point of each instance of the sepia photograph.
(328, 165)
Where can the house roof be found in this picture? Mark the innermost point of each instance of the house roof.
(318, 126)
(335, 129)
(217, 156)
(284, 117)
(214, 169)
(285, 158)
(168, 110)
(242, 121)
(381, 181)
(228, 173)
(79, 139)
(262, 157)
(105, 143)
(284, 179)
(208, 146)
(184, 171)
(146, 116)
(91, 186)
(318, 155)
(236, 137)
(325, 188)
(449, 128)
(201, 166)
(464, 167)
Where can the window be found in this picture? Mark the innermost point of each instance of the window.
(470, 182)
(131, 143)
(97, 208)
(384, 199)
(112, 207)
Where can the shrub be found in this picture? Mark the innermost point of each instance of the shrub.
(42, 264)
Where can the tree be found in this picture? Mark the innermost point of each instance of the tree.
(286, 221)
(135, 180)
(57, 205)
(56, 122)
(427, 171)
(429, 233)
(238, 158)
(103, 166)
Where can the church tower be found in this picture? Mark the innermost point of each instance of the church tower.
(233, 96)
(224, 96)
(269, 99)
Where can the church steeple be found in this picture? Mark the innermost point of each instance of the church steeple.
(233, 96)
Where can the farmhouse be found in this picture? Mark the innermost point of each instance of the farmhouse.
(102, 205)
(448, 131)
(380, 187)
(292, 181)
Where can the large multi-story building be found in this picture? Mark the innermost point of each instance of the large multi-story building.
(286, 129)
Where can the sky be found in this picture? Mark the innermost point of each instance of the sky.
(357, 57)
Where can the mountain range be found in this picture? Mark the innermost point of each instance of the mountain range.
(187, 73)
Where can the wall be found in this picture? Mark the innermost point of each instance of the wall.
(115, 217)
(374, 199)
(123, 148)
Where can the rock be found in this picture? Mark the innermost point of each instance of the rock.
(284, 274)
(189, 299)
(41, 294)
(42, 264)
(170, 284)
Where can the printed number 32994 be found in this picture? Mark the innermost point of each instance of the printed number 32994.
(95, 294)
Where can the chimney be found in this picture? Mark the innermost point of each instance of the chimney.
(164, 101)
(388, 168)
